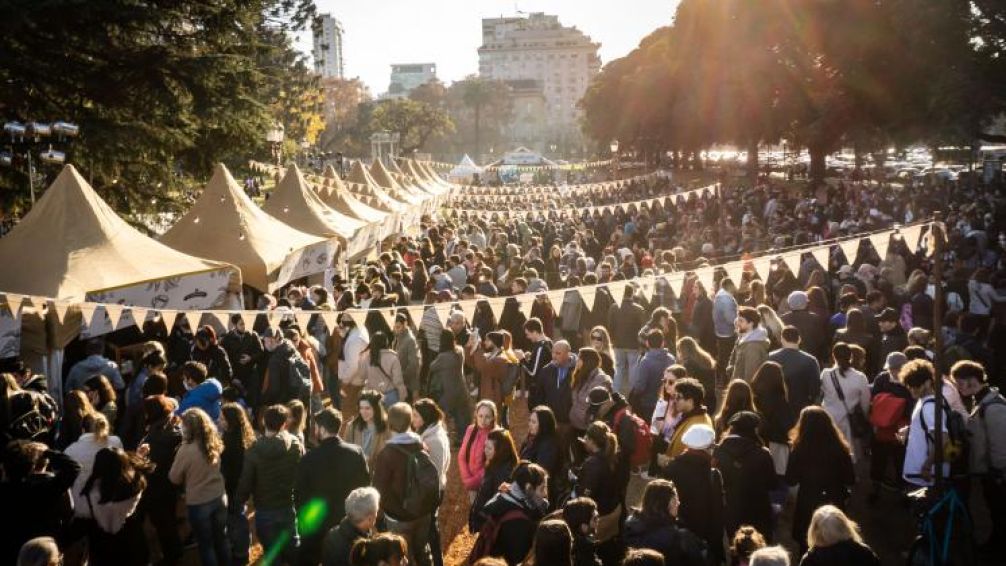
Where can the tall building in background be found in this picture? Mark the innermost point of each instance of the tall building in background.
(406, 77)
(328, 47)
(562, 59)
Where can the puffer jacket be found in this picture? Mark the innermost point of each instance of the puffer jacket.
(270, 471)
(578, 412)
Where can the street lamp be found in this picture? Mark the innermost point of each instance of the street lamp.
(28, 138)
(614, 158)
(274, 137)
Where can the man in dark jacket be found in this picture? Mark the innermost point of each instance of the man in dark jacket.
(581, 516)
(35, 486)
(813, 329)
(159, 502)
(518, 512)
(326, 475)
(650, 375)
(246, 354)
(276, 383)
(800, 369)
(532, 362)
(553, 389)
(624, 322)
(892, 336)
(362, 506)
(268, 476)
(391, 480)
(748, 475)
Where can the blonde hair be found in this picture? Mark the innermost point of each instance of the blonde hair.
(771, 321)
(198, 427)
(97, 424)
(829, 526)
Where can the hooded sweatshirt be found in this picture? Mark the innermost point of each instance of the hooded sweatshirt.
(749, 354)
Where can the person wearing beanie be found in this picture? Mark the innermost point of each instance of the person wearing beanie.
(813, 329)
(700, 488)
(748, 475)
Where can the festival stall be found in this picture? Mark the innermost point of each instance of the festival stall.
(225, 225)
(359, 175)
(465, 171)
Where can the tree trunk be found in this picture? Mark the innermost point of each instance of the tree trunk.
(818, 165)
(753, 159)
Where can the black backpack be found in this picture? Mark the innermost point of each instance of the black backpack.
(422, 484)
(955, 442)
(298, 377)
(32, 417)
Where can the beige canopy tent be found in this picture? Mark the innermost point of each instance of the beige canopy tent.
(294, 203)
(71, 246)
(424, 177)
(359, 175)
(340, 198)
(224, 224)
(385, 180)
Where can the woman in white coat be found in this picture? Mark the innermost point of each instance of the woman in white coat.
(843, 390)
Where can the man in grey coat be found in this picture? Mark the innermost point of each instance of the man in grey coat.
(408, 354)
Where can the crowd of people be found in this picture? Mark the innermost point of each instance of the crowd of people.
(739, 408)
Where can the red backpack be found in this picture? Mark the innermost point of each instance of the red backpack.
(887, 415)
(489, 532)
(644, 441)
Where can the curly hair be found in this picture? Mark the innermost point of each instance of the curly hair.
(198, 427)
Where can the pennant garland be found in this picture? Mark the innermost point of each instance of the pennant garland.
(496, 304)
(526, 304)
(880, 243)
(114, 313)
(849, 248)
(194, 317)
(443, 313)
(822, 256)
(169, 317)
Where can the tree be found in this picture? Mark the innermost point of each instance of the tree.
(416, 122)
(161, 89)
(344, 100)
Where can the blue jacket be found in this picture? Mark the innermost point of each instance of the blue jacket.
(206, 396)
(724, 314)
(649, 378)
(91, 366)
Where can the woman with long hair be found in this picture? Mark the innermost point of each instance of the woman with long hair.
(737, 398)
(817, 302)
(844, 391)
(382, 370)
(654, 525)
(238, 436)
(420, 279)
(600, 342)
(197, 470)
(501, 459)
(369, 429)
(834, 540)
(772, 324)
(701, 365)
(587, 374)
(542, 446)
(756, 294)
(428, 423)
(820, 463)
(471, 457)
(95, 438)
(447, 383)
(207, 351)
(76, 406)
(771, 403)
(102, 397)
(112, 494)
(296, 421)
(595, 478)
(856, 332)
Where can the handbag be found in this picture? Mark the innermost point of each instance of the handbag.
(859, 424)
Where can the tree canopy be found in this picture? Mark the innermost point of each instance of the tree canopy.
(861, 73)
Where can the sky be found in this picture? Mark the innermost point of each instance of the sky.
(379, 33)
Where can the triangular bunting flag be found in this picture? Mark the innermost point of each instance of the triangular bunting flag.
(792, 261)
(114, 315)
(14, 303)
(302, 318)
(617, 289)
(911, 235)
(359, 316)
(389, 317)
(646, 287)
(735, 271)
(248, 317)
(850, 248)
(676, 282)
(139, 316)
(223, 318)
(763, 266)
(526, 303)
(87, 312)
(496, 304)
(416, 314)
(706, 277)
(468, 308)
(823, 255)
(588, 295)
(556, 298)
(60, 308)
(331, 320)
(880, 243)
(443, 313)
(169, 319)
(194, 317)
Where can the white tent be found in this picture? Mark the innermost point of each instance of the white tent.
(464, 171)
